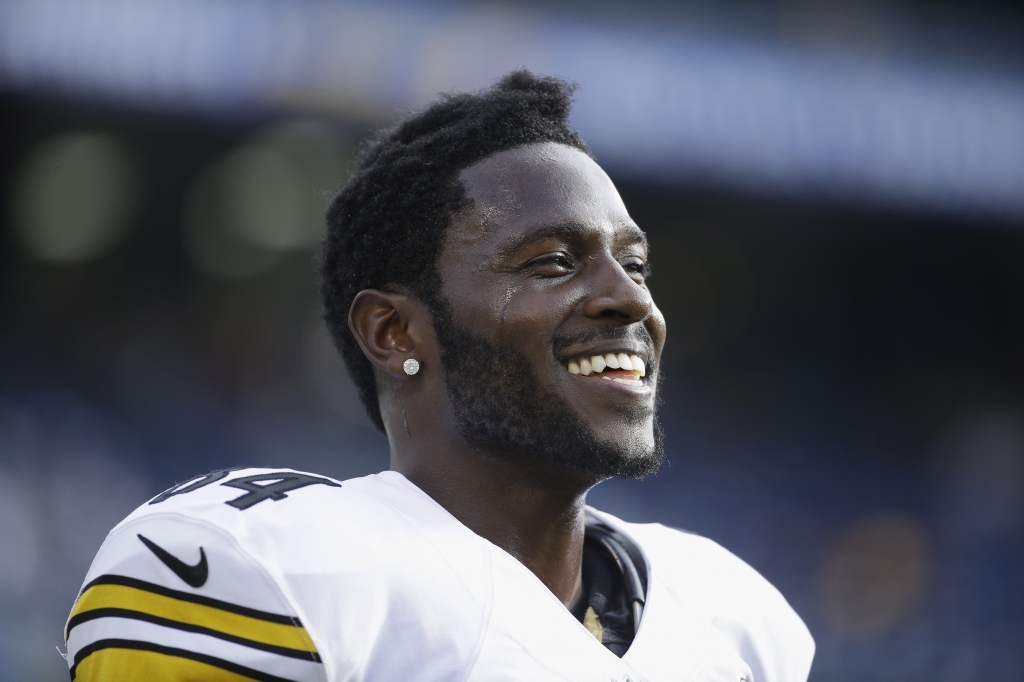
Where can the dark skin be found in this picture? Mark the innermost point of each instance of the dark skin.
(546, 250)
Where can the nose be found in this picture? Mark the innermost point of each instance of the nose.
(615, 295)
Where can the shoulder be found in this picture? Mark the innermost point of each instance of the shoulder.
(728, 580)
(248, 570)
(276, 515)
(219, 496)
(736, 600)
(174, 594)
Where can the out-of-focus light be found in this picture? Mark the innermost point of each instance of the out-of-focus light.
(666, 106)
(874, 575)
(267, 197)
(277, 188)
(983, 481)
(263, 198)
(74, 197)
(19, 545)
(326, 371)
(212, 245)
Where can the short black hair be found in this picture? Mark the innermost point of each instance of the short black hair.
(387, 224)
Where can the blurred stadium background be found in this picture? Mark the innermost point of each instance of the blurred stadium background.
(834, 190)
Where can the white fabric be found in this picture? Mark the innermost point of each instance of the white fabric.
(390, 586)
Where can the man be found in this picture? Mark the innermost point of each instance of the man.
(485, 285)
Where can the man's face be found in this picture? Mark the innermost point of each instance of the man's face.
(543, 274)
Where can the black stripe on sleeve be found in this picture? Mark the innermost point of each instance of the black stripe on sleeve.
(301, 654)
(99, 645)
(111, 579)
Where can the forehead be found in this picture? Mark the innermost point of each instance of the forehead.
(537, 186)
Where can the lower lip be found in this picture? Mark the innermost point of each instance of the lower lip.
(641, 390)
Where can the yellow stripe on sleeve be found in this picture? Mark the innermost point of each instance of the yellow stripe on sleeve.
(133, 665)
(104, 596)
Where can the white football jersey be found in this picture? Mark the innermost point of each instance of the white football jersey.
(263, 574)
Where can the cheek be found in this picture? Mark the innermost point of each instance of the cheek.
(529, 317)
(480, 303)
(506, 302)
(490, 311)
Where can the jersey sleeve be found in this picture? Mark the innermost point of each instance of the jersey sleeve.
(171, 598)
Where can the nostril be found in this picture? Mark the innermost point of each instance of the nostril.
(617, 315)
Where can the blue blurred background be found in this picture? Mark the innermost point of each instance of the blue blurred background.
(834, 192)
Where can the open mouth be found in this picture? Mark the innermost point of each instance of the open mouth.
(621, 368)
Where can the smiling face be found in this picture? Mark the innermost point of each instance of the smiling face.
(549, 337)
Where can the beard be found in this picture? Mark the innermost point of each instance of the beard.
(500, 408)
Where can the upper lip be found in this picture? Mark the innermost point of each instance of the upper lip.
(609, 347)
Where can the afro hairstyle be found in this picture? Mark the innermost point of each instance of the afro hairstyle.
(387, 224)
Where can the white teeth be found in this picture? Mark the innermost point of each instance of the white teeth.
(628, 382)
(638, 363)
(596, 364)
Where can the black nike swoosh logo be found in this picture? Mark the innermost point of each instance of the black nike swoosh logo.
(193, 575)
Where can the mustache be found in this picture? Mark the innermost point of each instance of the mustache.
(636, 332)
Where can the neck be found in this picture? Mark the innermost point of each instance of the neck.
(534, 514)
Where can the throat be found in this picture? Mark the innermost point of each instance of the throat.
(530, 509)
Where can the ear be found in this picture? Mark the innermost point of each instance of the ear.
(388, 327)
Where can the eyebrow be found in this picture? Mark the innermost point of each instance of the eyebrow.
(566, 231)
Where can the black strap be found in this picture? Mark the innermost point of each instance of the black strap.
(630, 560)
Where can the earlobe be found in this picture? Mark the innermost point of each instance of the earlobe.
(380, 322)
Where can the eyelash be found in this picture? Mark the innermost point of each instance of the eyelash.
(641, 268)
(560, 259)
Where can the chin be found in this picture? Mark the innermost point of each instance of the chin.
(634, 457)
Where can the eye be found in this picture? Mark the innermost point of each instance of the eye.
(637, 268)
(553, 264)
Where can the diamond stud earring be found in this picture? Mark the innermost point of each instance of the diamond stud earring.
(411, 366)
